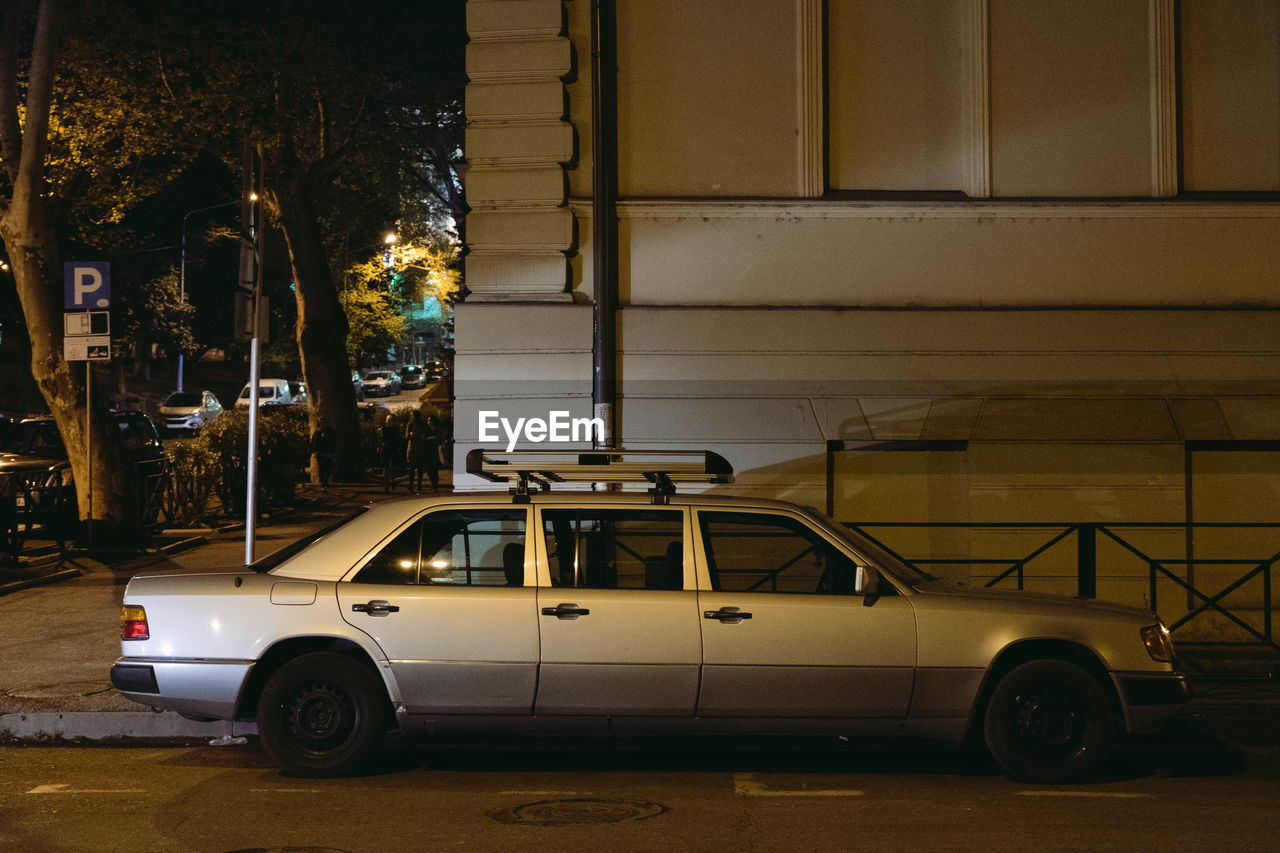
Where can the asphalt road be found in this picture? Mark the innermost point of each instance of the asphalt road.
(665, 795)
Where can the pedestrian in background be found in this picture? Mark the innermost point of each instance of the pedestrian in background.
(390, 453)
(422, 453)
(324, 442)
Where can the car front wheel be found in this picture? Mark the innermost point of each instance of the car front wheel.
(1049, 721)
(322, 715)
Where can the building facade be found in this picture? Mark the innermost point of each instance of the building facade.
(951, 261)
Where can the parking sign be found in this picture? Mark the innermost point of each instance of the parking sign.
(87, 284)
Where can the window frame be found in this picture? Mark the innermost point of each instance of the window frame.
(418, 519)
(689, 574)
(705, 582)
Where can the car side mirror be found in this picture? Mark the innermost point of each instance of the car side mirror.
(866, 581)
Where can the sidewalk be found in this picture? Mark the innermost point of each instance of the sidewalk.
(61, 638)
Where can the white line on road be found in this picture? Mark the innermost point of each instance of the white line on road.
(1112, 794)
(65, 788)
(745, 785)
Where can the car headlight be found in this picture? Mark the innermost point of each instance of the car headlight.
(1159, 644)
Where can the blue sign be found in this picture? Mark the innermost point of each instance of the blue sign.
(87, 284)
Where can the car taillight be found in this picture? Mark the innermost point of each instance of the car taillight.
(133, 623)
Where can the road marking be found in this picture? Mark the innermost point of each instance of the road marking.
(745, 785)
(1113, 795)
(65, 788)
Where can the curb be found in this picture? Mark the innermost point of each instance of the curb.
(14, 586)
(114, 725)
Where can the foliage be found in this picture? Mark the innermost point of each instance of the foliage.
(375, 321)
(158, 315)
(283, 453)
(377, 291)
(192, 481)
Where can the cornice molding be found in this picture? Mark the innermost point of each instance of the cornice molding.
(801, 209)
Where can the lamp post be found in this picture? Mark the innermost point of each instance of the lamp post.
(182, 270)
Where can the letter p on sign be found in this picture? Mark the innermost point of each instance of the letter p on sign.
(87, 284)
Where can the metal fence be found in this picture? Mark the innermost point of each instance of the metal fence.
(39, 516)
(1245, 580)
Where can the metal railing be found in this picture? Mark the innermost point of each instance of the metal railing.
(1255, 620)
(31, 512)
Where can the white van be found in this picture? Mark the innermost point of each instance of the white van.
(270, 392)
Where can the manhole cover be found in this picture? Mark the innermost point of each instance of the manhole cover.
(570, 812)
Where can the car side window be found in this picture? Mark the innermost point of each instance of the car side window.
(454, 548)
(615, 548)
(762, 552)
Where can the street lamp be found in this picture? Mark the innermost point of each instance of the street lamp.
(182, 271)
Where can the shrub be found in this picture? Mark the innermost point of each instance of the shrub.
(283, 453)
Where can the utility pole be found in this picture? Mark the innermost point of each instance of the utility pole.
(251, 279)
(604, 227)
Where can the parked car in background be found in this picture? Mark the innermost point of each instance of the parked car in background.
(381, 383)
(435, 370)
(297, 391)
(373, 413)
(358, 384)
(412, 376)
(627, 614)
(270, 392)
(35, 473)
(188, 411)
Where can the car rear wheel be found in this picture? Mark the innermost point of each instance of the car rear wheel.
(1049, 721)
(322, 715)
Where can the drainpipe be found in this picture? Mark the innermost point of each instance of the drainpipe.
(604, 223)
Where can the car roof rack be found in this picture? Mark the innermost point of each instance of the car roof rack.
(541, 468)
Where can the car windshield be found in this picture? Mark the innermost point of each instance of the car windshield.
(34, 437)
(179, 398)
(378, 375)
(410, 371)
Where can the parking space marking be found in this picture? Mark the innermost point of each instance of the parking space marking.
(745, 785)
(65, 788)
(1111, 794)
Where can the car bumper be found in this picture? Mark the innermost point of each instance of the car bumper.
(188, 424)
(1150, 698)
(206, 688)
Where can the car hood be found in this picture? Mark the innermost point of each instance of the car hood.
(1020, 599)
(21, 461)
(179, 410)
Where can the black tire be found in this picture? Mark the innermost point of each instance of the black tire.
(1049, 721)
(322, 715)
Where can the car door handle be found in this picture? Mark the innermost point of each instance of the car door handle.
(731, 615)
(376, 608)
(565, 611)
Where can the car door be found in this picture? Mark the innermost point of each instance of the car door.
(446, 600)
(783, 632)
(617, 612)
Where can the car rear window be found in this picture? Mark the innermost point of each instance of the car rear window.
(270, 561)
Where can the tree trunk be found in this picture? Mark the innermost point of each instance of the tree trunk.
(321, 329)
(33, 256)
